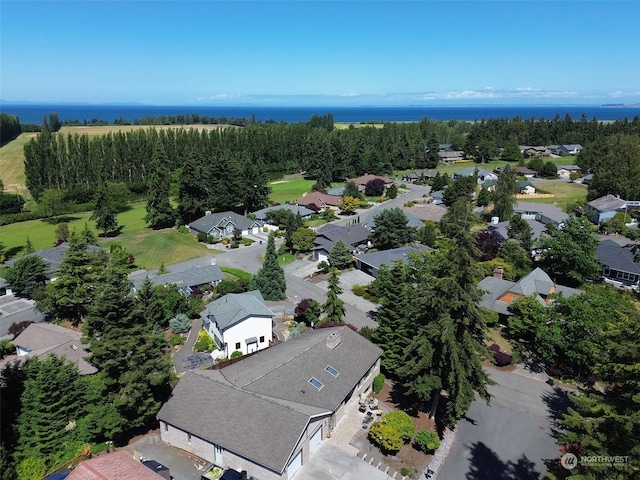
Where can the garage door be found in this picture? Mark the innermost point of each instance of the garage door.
(295, 464)
(315, 440)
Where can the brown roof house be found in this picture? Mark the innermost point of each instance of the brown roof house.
(43, 339)
(500, 293)
(118, 465)
(317, 201)
(268, 412)
(362, 181)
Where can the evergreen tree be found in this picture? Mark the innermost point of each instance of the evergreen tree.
(433, 147)
(50, 425)
(127, 349)
(340, 255)
(393, 318)
(511, 152)
(270, 278)
(351, 190)
(520, 230)
(291, 224)
(333, 308)
(193, 189)
(73, 290)
(607, 422)
(62, 233)
(428, 234)
(160, 214)
(439, 182)
(504, 196)
(27, 275)
(392, 192)
(88, 236)
(28, 246)
(484, 197)
(447, 344)
(391, 229)
(104, 213)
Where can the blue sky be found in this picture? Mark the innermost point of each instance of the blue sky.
(320, 53)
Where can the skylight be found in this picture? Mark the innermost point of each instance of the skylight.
(316, 383)
(331, 371)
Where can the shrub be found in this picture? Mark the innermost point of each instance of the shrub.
(236, 354)
(378, 383)
(427, 441)
(183, 230)
(235, 245)
(175, 340)
(202, 237)
(225, 241)
(201, 345)
(17, 328)
(402, 422)
(180, 323)
(359, 290)
(409, 204)
(385, 436)
(265, 229)
(324, 267)
(366, 332)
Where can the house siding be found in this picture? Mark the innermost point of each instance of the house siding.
(247, 328)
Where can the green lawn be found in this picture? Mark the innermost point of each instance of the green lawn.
(283, 191)
(150, 248)
(565, 193)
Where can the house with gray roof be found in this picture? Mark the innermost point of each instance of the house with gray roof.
(220, 225)
(238, 322)
(53, 257)
(43, 339)
(268, 412)
(483, 175)
(541, 212)
(502, 229)
(565, 171)
(604, 208)
(304, 212)
(353, 235)
(618, 265)
(371, 262)
(187, 281)
(499, 293)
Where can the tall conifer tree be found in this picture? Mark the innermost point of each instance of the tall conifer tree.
(160, 214)
(270, 278)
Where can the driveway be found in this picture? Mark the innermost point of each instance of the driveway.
(15, 310)
(510, 439)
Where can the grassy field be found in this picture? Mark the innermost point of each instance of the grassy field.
(283, 191)
(150, 248)
(12, 164)
(565, 193)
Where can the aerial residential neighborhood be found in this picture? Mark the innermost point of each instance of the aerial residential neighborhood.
(462, 311)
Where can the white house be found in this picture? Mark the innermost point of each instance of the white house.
(268, 413)
(238, 322)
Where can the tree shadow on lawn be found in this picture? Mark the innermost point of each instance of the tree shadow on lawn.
(485, 464)
(13, 251)
(60, 219)
(112, 233)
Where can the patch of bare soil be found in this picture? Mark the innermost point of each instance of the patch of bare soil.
(317, 277)
(408, 456)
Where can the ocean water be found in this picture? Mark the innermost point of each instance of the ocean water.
(32, 113)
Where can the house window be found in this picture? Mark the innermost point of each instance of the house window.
(166, 426)
(189, 438)
(331, 371)
(237, 345)
(316, 383)
(262, 339)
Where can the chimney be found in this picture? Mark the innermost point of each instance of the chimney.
(333, 340)
(498, 272)
(208, 212)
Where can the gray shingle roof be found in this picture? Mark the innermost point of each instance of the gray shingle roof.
(546, 209)
(207, 223)
(193, 277)
(469, 171)
(351, 235)
(501, 227)
(536, 282)
(607, 203)
(259, 406)
(616, 257)
(387, 257)
(295, 209)
(258, 428)
(53, 256)
(235, 307)
(44, 339)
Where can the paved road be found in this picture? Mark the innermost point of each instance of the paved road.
(510, 439)
(15, 309)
